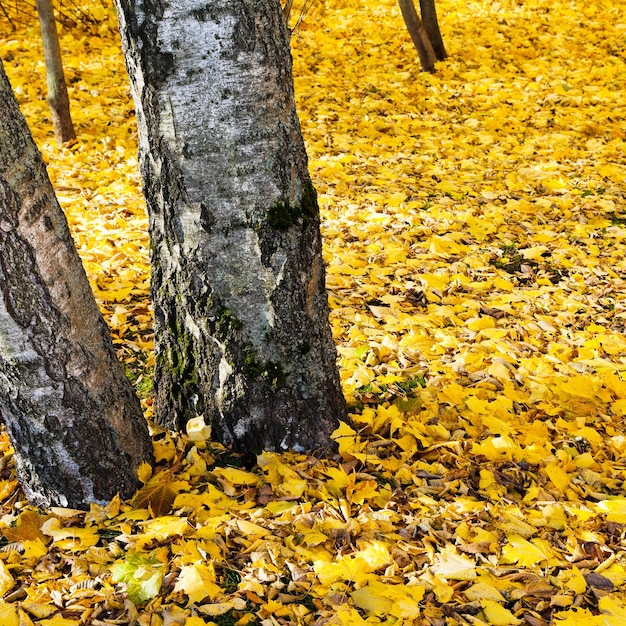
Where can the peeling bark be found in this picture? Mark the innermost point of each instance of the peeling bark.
(241, 313)
(73, 419)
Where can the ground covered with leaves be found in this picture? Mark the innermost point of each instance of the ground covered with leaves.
(474, 226)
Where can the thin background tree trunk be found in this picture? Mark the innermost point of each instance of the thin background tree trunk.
(7, 16)
(431, 25)
(73, 419)
(241, 312)
(418, 35)
(57, 89)
(287, 10)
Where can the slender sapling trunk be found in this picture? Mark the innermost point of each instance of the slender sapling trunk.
(419, 35)
(57, 89)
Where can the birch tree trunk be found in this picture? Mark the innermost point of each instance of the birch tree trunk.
(238, 282)
(57, 89)
(73, 419)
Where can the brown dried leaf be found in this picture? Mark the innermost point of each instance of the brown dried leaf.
(481, 547)
(492, 312)
(158, 497)
(597, 581)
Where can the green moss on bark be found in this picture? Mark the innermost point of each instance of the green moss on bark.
(273, 373)
(226, 321)
(283, 215)
(179, 363)
(309, 203)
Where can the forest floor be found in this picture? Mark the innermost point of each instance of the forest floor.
(475, 225)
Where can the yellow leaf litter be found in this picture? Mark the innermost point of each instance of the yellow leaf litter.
(474, 238)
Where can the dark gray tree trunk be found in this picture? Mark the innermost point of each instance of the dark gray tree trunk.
(431, 25)
(73, 419)
(418, 33)
(241, 313)
(57, 89)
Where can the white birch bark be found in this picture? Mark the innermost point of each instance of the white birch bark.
(238, 281)
(73, 419)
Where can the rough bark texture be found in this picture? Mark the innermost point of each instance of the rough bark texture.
(238, 280)
(419, 35)
(74, 421)
(57, 89)
(431, 25)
